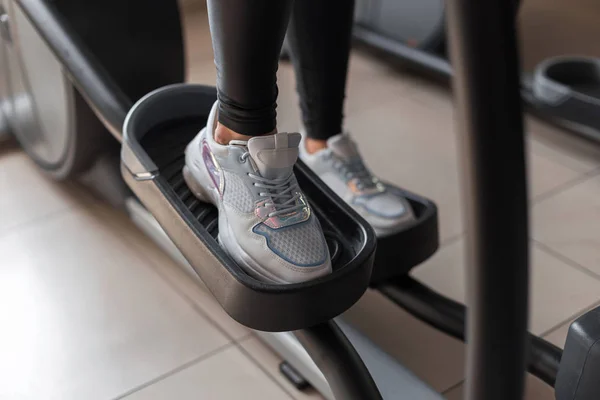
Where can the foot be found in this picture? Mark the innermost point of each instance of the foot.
(341, 167)
(265, 222)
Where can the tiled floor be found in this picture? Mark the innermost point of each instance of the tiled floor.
(91, 309)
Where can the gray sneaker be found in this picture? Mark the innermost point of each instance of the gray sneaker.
(265, 222)
(341, 167)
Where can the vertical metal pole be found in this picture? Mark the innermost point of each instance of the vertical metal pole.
(484, 54)
(332, 352)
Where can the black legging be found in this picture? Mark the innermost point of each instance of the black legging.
(247, 36)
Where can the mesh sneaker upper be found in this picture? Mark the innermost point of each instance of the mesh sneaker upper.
(252, 184)
(236, 194)
(301, 244)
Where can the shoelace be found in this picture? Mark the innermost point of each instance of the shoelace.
(283, 192)
(354, 169)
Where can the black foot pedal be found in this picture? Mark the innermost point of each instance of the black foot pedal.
(568, 88)
(397, 254)
(156, 132)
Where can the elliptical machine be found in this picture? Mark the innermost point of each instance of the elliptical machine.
(153, 131)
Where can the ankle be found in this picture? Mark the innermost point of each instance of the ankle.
(223, 135)
(314, 145)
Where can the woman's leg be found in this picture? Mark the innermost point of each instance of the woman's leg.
(240, 164)
(247, 36)
(320, 37)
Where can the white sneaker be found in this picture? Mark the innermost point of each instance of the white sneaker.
(341, 167)
(265, 222)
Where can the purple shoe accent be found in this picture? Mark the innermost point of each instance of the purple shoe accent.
(211, 166)
(284, 220)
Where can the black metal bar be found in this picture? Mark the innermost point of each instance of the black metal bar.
(332, 352)
(448, 316)
(483, 48)
(427, 305)
(534, 108)
(544, 359)
(108, 101)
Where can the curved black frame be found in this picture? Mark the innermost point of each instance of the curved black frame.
(449, 316)
(348, 377)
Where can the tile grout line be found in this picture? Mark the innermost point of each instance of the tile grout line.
(39, 220)
(540, 198)
(546, 249)
(533, 138)
(74, 190)
(176, 370)
(173, 286)
(414, 95)
(445, 392)
(196, 307)
(450, 240)
(246, 338)
(567, 320)
(263, 369)
(187, 299)
(552, 253)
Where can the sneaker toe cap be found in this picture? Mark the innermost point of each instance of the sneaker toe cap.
(387, 211)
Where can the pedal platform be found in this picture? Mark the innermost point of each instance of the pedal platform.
(155, 134)
(156, 131)
(418, 240)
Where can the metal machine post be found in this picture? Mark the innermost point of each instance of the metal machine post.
(483, 47)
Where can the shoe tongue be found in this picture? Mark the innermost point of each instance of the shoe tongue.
(342, 146)
(275, 155)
